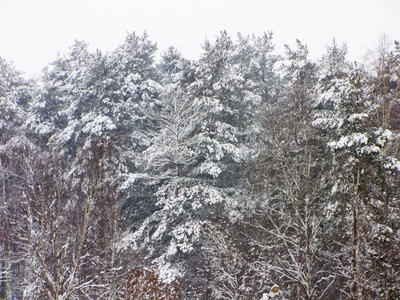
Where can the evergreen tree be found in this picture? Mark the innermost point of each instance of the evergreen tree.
(15, 97)
(174, 69)
(363, 173)
(172, 229)
(289, 179)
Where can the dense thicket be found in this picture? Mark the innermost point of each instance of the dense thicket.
(124, 177)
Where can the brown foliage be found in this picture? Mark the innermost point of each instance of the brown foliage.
(146, 284)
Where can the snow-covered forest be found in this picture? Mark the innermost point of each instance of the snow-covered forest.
(135, 174)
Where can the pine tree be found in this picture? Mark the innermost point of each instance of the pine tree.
(364, 174)
(288, 178)
(170, 160)
(15, 97)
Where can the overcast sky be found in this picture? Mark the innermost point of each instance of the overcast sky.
(32, 32)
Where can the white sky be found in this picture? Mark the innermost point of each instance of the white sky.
(32, 32)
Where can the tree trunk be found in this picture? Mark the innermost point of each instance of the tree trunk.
(356, 288)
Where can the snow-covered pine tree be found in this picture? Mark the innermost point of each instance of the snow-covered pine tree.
(247, 79)
(226, 117)
(174, 69)
(170, 232)
(364, 174)
(15, 97)
(90, 111)
(383, 208)
(288, 179)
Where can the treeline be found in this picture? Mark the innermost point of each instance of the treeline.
(123, 177)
